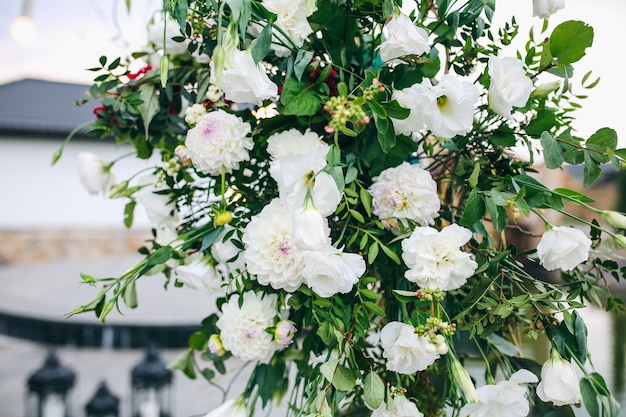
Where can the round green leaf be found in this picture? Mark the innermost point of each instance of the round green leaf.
(569, 41)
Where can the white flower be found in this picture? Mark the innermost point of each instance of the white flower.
(215, 345)
(563, 247)
(200, 275)
(159, 207)
(510, 86)
(292, 20)
(194, 113)
(446, 109)
(329, 271)
(463, 380)
(310, 229)
(166, 235)
(402, 38)
(292, 141)
(559, 381)
(270, 252)
(94, 173)
(546, 8)
(406, 352)
(242, 329)
(224, 251)
(284, 332)
(405, 192)
(172, 29)
(435, 259)
(214, 93)
(504, 399)
(230, 408)
(245, 81)
(218, 140)
(401, 407)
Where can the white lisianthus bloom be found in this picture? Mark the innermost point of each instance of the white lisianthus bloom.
(291, 19)
(406, 352)
(95, 175)
(329, 271)
(559, 382)
(245, 81)
(218, 140)
(196, 273)
(402, 38)
(435, 259)
(310, 229)
(242, 329)
(504, 399)
(230, 408)
(446, 109)
(405, 192)
(510, 86)
(292, 141)
(270, 252)
(172, 29)
(563, 247)
(401, 407)
(546, 8)
(160, 209)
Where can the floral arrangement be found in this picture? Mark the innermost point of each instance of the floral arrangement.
(341, 176)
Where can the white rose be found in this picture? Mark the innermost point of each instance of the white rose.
(402, 38)
(310, 229)
(245, 81)
(401, 407)
(446, 109)
(329, 271)
(546, 8)
(504, 399)
(95, 175)
(559, 381)
(510, 86)
(563, 247)
(435, 259)
(196, 273)
(406, 352)
(292, 20)
(218, 140)
(230, 408)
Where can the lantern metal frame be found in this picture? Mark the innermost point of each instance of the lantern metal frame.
(50, 389)
(151, 384)
(103, 403)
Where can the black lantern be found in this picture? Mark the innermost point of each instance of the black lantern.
(49, 390)
(151, 384)
(103, 403)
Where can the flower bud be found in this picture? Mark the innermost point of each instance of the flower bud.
(620, 240)
(284, 333)
(442, 348)
(614, 218)
(544, 89)
(181, 154)
(430, 348)
(310, 231)
(215, 345)
(463, 381)
(222, 218)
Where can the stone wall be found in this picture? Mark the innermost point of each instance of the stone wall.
(40, 245)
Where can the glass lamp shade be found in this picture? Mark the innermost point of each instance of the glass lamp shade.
(49, 390)
(151, 387)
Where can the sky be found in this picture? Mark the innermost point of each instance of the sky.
(72, 34)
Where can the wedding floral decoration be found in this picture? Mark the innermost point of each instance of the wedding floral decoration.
(344, 178)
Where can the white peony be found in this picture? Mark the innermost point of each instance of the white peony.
(504, 399)
(405, 192)
(270, 252)
(95, 175)
(245, 81)
(329, 271)
(406, 352)
(160, 208)
(219, 140)
(401, 407)
(559, 381)
(446, 109)
(546, 8)
(242, 329)
(510, 86)
(310, 229)
(196, 273)
(563, 247)
(402, 38)
(230, 408)
(435, 259)
(292, 20)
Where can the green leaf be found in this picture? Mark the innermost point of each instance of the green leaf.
(106, 310)
(569, 40)
(395, 110)
(299, 99)
(603, 141)
(374, 308)
(160, 256)
(184, 363)
(552, 151)
(130, 295)
(589, 397)
(342, 378)
(303, 59)
(574, 196)
(473, 178)
(129, 212)
(373, 390)
(391, 254)
(88, 279)
(372, 253)
(149, 106)
(474, 209)
(260, 47)
(386, 133)
(591, 170)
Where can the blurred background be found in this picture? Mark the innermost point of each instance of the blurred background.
(51, 229)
